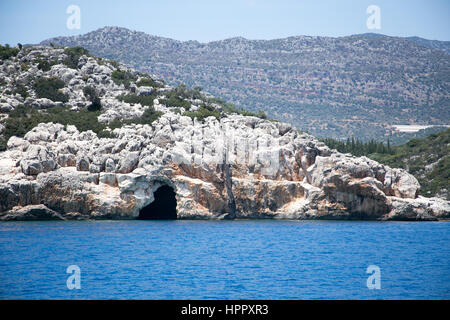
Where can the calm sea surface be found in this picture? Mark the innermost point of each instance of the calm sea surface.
(224, 259)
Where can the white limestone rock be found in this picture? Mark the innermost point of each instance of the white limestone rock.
(238, 166)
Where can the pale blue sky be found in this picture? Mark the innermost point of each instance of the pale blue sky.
(205, 20)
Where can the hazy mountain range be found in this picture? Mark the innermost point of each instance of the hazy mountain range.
(433, 44)
(357, 85)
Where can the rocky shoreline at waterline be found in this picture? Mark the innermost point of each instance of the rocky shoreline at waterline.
(223, 166)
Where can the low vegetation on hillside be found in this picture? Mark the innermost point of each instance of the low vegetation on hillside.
(19, 117)
(73, 56)
(134, 99)
(427, 159)
(123, 77)
(359, 148)
(208, 106)
(22, 119)
(50, 88)
(148, 82)
(333, 87)
(7, 52)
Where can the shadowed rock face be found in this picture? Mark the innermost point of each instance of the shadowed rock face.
(33, 212)
(164, 207)
(235, 167)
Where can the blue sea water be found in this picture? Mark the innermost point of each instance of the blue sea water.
(255, 259)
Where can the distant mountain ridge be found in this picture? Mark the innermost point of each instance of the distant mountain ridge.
(358, 85)
(432, 44)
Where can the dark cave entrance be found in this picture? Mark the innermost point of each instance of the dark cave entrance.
(164, 207)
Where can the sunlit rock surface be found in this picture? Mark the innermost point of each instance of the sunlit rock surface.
(275, 173)
(235, 167)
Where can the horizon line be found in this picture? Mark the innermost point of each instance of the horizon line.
(241, 37)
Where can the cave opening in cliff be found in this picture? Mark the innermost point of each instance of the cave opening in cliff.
(164, 207)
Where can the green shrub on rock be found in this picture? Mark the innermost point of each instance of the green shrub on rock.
(260, 114)
(7, 52)
(134, 98)
(3, 145)
(175, 102)
(22, 90)
(149, 116)
(123, 77)
(203, 113)
(45, 65)
(50, 88)
(147, 82)
(73, 56)
(91, 94)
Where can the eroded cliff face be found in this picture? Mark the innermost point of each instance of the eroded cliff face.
(228, 166)
(273, 172)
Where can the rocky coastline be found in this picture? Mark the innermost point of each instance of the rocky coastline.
(231, 166)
